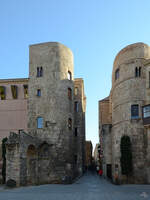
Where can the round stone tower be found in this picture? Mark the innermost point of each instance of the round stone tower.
(50, 102)
(128, 95)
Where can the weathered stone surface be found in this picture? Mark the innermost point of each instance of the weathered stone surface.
(52, 152)
(128, 89)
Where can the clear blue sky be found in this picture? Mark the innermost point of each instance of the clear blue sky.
(95, 30)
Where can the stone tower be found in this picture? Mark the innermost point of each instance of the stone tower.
(128, 96)
(51, 98)
(127, 112)
(52, 150)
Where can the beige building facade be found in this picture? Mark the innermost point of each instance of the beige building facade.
(126, 112)
(49, 114)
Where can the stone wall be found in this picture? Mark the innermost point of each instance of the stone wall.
(79, 124)
(88, 151)
(104, 111)
(1, 163)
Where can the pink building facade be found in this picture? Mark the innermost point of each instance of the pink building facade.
(13, 106)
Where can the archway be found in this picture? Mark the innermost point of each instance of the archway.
(31, 165)
(44, 163)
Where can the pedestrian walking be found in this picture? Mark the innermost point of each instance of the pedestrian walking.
(100, 172)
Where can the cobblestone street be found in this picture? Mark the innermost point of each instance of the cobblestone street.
(89, 187)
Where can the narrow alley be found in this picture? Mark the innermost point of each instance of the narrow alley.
(88, 187)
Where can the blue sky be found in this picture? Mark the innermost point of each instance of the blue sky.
(95, 30)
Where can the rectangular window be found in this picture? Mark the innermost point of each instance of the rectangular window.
(39, 71)
(39, 122)
(70, 123)
(116, 74)
(76, 91)
(134, 111)
(38, 92)
(25, 91)
(70, 93)
(146, 111)
(2, 93)
(75, 159)
(76, 106)
(76, 132)
(14, 91)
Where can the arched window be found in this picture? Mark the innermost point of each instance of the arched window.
(69, 75)
(70, 93)
(70, 123)
(40, 122)
(116, 74)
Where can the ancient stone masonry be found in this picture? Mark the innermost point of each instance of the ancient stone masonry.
(123, 113)
(53, 148)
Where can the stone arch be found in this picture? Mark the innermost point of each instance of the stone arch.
(44, 158)
(32, 156)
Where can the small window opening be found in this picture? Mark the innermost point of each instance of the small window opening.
(76, 91)
(76, 132)
(116, 74)
(70, 123)
(146, 111)
(39, 71)
(2, 93)
(76, 106)
(75, 159)
(39, 122)
(69, 75)
(134, 111)
(70, 93)
(14, 91)
(25, 91)
(38, 92)
(139, 71)
(136, 72)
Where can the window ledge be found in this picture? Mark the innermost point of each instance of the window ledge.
(135, 119)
